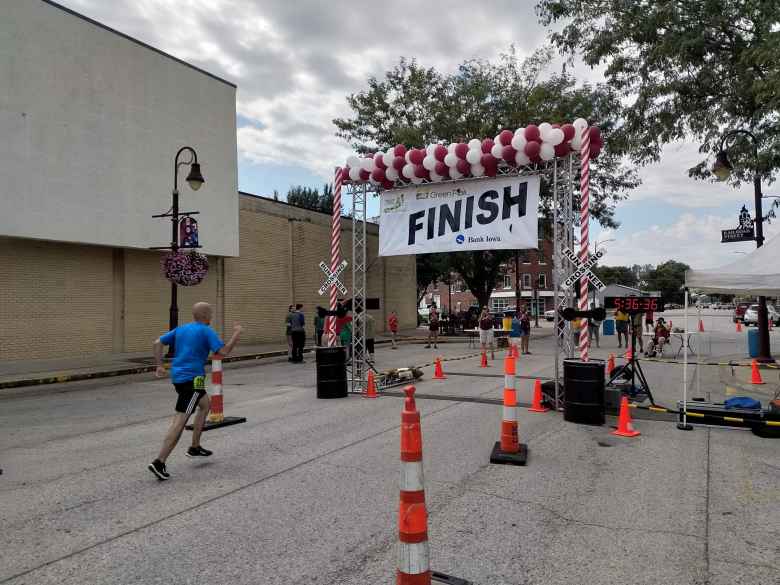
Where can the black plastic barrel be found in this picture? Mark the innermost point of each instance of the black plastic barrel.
(583, 384)
(331, 372)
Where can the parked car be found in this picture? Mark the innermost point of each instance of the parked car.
(739, 311)
(549, 315)
(751, 315)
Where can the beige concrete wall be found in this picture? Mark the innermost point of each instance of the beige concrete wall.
(63, 300)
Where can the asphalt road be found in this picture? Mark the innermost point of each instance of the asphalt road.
(307, 490)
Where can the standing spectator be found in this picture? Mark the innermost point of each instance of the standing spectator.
(319, 328)
(621, 324)
(288, 327)
(345, 335)
(525, 331)
(636, 329)
(298, 334)
(593, 329)
(516, 331)
(370, 334)
(392, 324)
(486, 331)
(433, 327)
(649, 322)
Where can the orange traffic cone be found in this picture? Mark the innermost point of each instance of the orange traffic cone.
(370, 386)
(537, 405)
(629, 355)
(625, 428)
(508, 450)
(610, 364)
(755, 375)
(413, 551)
(739, 327)
(701, 326)
(438, 373)
(484, 362)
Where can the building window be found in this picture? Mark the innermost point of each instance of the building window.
(526, 281)
(542, 280)
(542, 259)
(499, 304)
(507, 281)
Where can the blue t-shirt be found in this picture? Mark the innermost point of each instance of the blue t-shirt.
(192, 342)
(516, 331)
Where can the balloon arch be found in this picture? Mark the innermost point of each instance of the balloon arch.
(560, 152)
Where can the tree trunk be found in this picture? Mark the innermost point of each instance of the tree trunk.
(483, 298)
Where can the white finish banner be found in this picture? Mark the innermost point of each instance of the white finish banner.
(482, 214)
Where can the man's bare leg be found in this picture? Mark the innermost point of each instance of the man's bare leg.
(200, 419)
(173, 435)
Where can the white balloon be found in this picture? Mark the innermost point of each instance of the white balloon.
(580, 124)
(475, 143)
(473, 156)
(547, 151)
(391, 174)
(519, 141)
(521, 158)
(520, 132)
(497, 140)
(451, 160)
(435, 177)
(417, 180)
(408, 171)
(388, 159)
(353, 162)
(367, 164)
(544, 130)
(429, 149)
(556, 136)
(451, 147)
(429, 162)
(406, 156)
(354, 173)
(477, 170)
(497, 150)
(455, 174)
(576, 142)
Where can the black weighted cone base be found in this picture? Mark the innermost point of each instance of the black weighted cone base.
(437, 577)
(501, 458)
(226, 422)
(685, 426)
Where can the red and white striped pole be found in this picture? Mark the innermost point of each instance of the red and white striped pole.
(584, 219)
(335, 252)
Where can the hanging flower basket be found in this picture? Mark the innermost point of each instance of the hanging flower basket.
(185, 268)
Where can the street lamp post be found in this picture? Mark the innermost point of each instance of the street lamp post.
(722, 169)
(195, 181)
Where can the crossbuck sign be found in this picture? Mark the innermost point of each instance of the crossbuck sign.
(333, 278)
(583, 269)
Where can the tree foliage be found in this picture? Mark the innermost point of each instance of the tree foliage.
(310, 198)
(669, 278)
(480, 270)
(430, 269)
(617, 275)
(684, 68)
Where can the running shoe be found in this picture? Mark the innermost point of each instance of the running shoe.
(158, 468)
(198, 452)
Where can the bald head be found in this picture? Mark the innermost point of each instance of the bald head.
(201, 312)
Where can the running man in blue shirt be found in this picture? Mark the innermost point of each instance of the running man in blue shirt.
(193, 342)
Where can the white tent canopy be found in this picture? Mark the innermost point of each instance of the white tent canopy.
(757, 273)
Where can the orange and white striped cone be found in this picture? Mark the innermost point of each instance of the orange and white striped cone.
(216, 417)
(508, 449)
(414, 562)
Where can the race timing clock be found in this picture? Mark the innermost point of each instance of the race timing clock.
(635, 304)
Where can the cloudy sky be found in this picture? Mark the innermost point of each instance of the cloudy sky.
(294, 61)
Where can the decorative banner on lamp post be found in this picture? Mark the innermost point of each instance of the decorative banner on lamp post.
(480, 214)
(744, 233)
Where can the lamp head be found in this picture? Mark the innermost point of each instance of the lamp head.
(722, 167)
(195, 179)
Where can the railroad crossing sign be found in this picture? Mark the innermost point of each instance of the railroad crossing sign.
(583, 269)
(333, 278)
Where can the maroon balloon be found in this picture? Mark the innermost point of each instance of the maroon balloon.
(416, 156)
(595, 134)
(562, 149)
(345, 174)
(506, 137)
(508, 154)
(556, 125)
(568, 132)
(364, 175)
(440, 152)
(463, 167)
(387, 184)
(596, 150)
(461, 150)
(487, 145)
(488, 160)
(532, 133)
(379, 162)
(398, 163)
(491, 171)
(532, 148)
(442, 169)
(378, 175)
(420, 171)
(399, 150)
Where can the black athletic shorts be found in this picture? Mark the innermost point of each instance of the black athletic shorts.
(190, 394)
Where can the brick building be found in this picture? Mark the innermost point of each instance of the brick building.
(534, 268)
